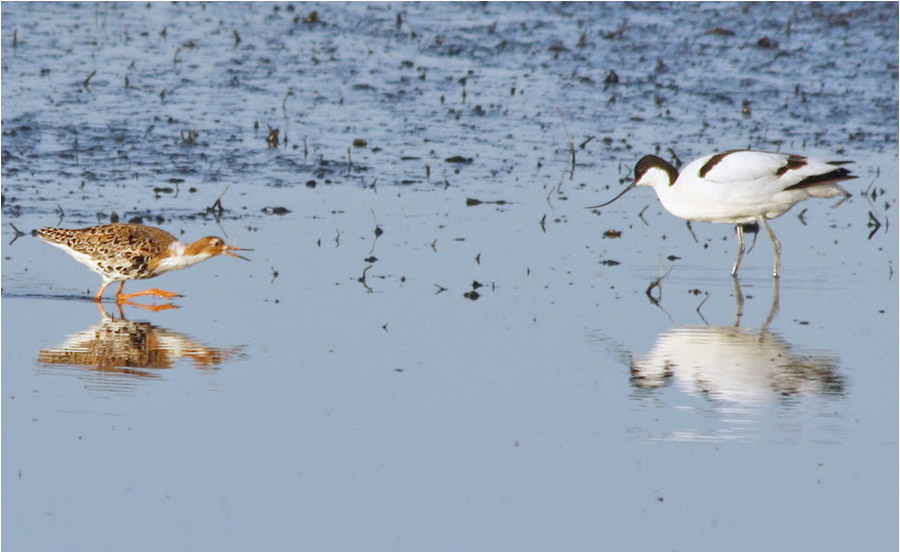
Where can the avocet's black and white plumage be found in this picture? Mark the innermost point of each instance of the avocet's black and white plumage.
(739, 187)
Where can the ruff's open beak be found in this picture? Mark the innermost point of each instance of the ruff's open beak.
(229, 250)
(622, 193)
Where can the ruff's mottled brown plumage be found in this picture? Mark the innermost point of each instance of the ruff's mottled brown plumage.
(120, 252)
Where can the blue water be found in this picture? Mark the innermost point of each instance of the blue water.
(345, 390)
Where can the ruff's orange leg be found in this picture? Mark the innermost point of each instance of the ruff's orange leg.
(99, 297)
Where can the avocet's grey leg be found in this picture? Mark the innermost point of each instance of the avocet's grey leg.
(740, 233)
(775, 243)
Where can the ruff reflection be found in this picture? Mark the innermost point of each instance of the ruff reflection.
(734, 364)
(135, 348)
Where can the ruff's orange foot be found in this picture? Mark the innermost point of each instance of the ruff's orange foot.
(151, 292)
(120, 252)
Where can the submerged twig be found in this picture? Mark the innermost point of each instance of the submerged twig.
(378, 231)
(569, 142)
(874, 224)
(571, 170)
(690, 228)
(216, 208)
(675, 157)
(641, 215)
(289, 93)
(18, 234)
(87, 82)
(700, 306)
(362, 279)
(657, 284)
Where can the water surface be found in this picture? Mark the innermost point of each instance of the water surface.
(487, 370)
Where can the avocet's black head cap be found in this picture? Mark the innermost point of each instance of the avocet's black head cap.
(650, 161)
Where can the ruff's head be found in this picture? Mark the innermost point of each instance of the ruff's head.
(212, 246)
(179, 256)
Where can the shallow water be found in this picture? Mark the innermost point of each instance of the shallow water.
(346, 389)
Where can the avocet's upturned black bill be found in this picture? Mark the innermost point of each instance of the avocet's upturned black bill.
(739, 187)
